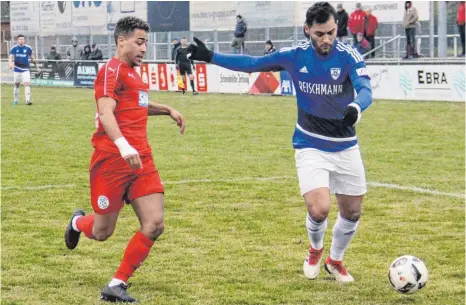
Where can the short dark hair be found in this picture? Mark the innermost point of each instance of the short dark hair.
(239, 16)
(127, 25)
(320, 12)
(19, 36)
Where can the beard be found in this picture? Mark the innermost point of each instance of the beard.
(321, 51)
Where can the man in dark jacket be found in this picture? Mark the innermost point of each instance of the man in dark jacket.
(342, 22)
(241, 28)
(53, 55)
(269, 48)
(96, 53)
(176, 45)
(184, 65)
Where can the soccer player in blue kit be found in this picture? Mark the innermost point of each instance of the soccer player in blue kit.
(19, 61)
(325, 73)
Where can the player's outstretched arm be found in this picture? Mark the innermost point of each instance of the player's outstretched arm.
(243, 63)
(106, 107)
(159, 109)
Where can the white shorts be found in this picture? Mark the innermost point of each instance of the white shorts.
(342, 172)
(22, 77)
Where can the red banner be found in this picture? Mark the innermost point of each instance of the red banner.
(201, 77)
(163, 81)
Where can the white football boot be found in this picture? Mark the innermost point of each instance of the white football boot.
(311, 266)
(338, 270)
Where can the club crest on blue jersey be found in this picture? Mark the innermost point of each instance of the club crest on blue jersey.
(335, 73)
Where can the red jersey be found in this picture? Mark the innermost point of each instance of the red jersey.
(356, 22)
(122, 83)
(460, 16)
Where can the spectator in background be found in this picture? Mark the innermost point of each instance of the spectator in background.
(269, 48)
(460, 21)
(238, 41)
(96, 53)
(356, 22)
(342, 22)
(409, 22)
(86, 53)
(370, 27)
(362, 45)
(176, 45)
(53, 55)
(75, 52)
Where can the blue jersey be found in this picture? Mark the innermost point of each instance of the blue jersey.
(22, 55)
(324, 88)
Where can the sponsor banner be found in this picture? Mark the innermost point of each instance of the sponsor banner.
(286, 84)
(258, 14)
(201, 78)
(384, 11)
(55, 18)
(265, 82)
(120, 9)
(164, 16)
(85, 74)
(162, 77)
(206, 15)
(418, 82)
(24, 18)
(143, 71)
(59, 74)
(87, 17)
(153, 77)
(427, 82)
(172, 78)
(232, 81)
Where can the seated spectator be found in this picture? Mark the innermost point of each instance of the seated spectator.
(269, 48)
(53, 55)
(96, 53)
(362, 45)
(86, 53)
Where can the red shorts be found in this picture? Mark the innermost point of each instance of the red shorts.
(113, 181)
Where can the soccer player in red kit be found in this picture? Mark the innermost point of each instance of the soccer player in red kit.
(122, 168)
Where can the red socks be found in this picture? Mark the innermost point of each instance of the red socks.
(85, 224)
(136, 252)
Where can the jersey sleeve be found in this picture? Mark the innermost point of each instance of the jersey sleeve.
(12, 51)
(29, 51)
(245, 63)
(360, 79)
(106, 83)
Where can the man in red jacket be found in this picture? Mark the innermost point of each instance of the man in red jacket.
(356, 22)
(460, 22)
(370, 27)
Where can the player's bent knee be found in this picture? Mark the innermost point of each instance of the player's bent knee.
(352, 214)
(318, 214)
(102, 235)
(26, 84)
(153, 230)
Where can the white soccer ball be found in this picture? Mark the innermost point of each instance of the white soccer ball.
(407, 274)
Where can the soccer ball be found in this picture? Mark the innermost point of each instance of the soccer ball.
(407, 274)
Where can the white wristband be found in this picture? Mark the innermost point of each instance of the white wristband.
(124, 147)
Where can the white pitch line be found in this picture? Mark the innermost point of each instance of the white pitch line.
(373, 184)
(38, 187)
(414, 189)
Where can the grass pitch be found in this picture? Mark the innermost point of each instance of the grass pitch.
(230, 238)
